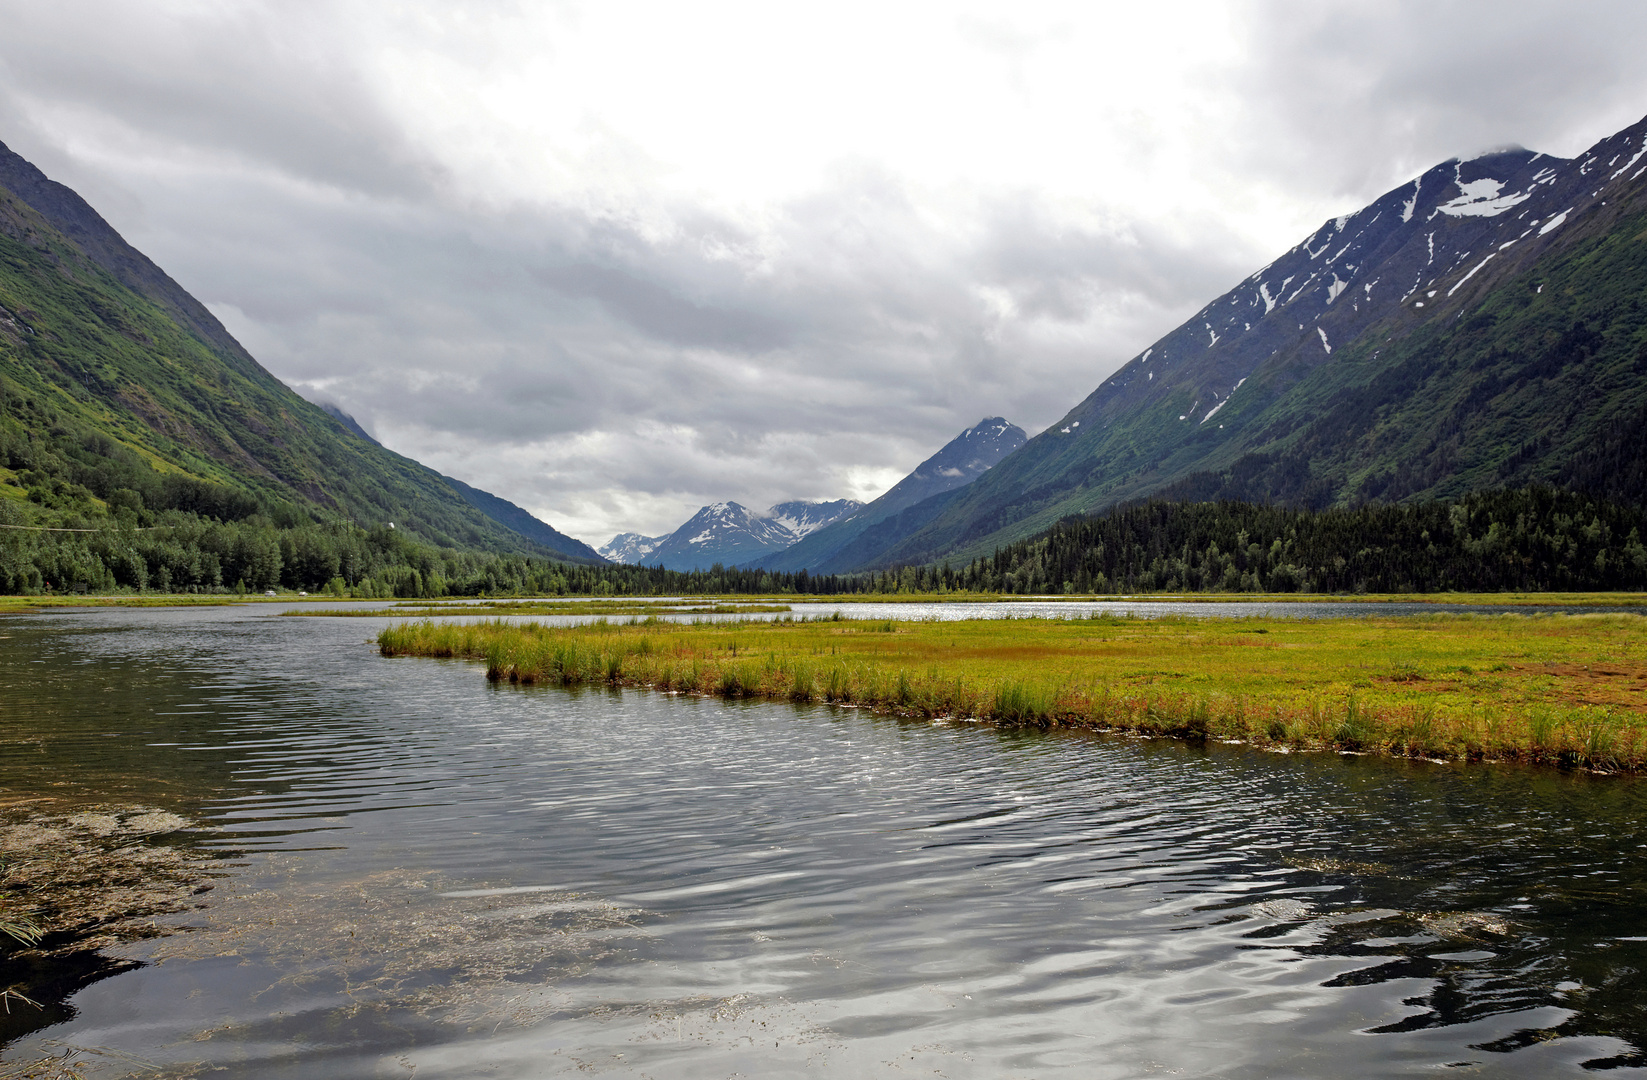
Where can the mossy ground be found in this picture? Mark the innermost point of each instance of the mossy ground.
(1557, 689)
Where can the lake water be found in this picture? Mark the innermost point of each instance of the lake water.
(425, 875)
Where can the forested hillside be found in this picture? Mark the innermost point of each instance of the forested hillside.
(1524, 540)
(115, 383)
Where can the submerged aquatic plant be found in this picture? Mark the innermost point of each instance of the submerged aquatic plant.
(21, 928)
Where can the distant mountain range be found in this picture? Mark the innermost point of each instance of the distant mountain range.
(1482, 325)
(115, 381)
(815, 536)
(729, 534)
(860, 534)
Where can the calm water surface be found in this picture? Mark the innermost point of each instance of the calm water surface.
(429, 876)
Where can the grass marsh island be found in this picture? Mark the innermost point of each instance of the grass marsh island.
(1566, 690)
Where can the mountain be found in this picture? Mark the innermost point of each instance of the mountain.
(858, 536)
(1482, 325)
(113, 379)
(733, 535)
(630, 548)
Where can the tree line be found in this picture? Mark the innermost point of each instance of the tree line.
(184, 552)
(1530, 539)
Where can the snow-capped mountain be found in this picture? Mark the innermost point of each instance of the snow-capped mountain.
(1420, 346)
(731, 534)
(631, 548)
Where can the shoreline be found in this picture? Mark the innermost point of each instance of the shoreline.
(30, 604)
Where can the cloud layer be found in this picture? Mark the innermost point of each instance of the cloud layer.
(615, 261)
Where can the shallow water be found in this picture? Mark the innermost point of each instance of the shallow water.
(431, 876)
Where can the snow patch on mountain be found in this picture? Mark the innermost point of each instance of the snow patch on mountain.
(1481, 198)
(1555, 222)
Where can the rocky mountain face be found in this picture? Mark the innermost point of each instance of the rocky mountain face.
(729, 534)
(113, 378)
(1480, 325)
(858, 535)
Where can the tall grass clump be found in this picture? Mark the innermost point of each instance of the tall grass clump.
(801, 685)
(1020, 702)
(1355, 730)
(837, 687)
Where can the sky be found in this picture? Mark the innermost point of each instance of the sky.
(614, 261)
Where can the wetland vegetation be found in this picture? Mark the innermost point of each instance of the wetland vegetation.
(1556, 689)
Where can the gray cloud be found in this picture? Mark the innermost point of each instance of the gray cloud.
(615, 373)
(660, 311)
(1358, 98)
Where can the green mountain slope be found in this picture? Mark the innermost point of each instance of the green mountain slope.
(114, 379)
(1478, 327)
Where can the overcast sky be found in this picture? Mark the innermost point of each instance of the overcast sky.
(615, 260)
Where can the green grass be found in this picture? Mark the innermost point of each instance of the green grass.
(1556, 689)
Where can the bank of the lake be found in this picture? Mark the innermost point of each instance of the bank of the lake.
(1565, 690)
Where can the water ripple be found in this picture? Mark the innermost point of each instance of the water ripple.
(439, 873)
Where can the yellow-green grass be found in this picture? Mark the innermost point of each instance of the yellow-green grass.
(1558, 689)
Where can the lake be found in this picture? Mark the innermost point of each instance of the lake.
(418, 873)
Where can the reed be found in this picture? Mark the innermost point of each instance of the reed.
(1558, 689)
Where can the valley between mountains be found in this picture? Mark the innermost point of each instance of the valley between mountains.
(1479, 328)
